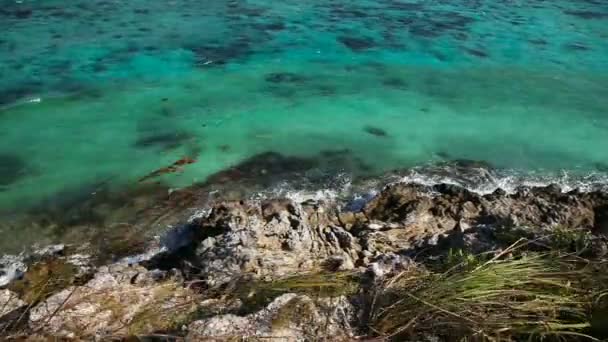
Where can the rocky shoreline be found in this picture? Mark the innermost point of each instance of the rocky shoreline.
(294, 271)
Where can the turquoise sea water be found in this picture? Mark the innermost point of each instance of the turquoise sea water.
(109, 91)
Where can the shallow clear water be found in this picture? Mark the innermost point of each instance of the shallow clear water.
(107, 90)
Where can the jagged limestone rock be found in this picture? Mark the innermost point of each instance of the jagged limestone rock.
(119, 300)
(289, 317)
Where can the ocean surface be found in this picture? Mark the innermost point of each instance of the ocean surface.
(106, 92)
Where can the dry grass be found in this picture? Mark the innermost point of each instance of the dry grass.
(534, 296)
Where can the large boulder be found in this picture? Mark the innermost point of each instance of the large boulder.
(276, 239)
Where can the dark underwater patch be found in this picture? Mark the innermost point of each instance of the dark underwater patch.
(23, 13)
(538, 41)
(576, 47)
(395, 82)
(12, 95)
(476, 52)
(277, 26)
(164, 141)
(223, 54)
(357, 44)
(376, 131)
(242, 8)
(284, 77)
(335, 153)
(263, 168)
(224, 148)
(404, 6)
(440, 24)
(587, 14)
(12, 169)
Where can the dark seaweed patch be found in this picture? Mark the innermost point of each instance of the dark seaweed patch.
(166, 111)
(12, 95)
(576, 47)
(263, 168)
(587, 14)
(404, 6)
(164, 141)
(538, 41)
(476, 52)
(278, 26)
(223, 54)
(439, 24)
(23, 13)
(472, 164)
(395, 82)
(241, 8)
(284, 77)
(376, 131)
(59, 67)
(99, 67)
(335, 153)
(357, 44)
(12, 169)
(443, 155)
(326, 90)
(424, 31)
(224, 148)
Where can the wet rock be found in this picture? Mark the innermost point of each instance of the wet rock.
(289, 317)
(423, 216)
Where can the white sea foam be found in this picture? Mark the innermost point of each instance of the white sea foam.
(486, 182)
